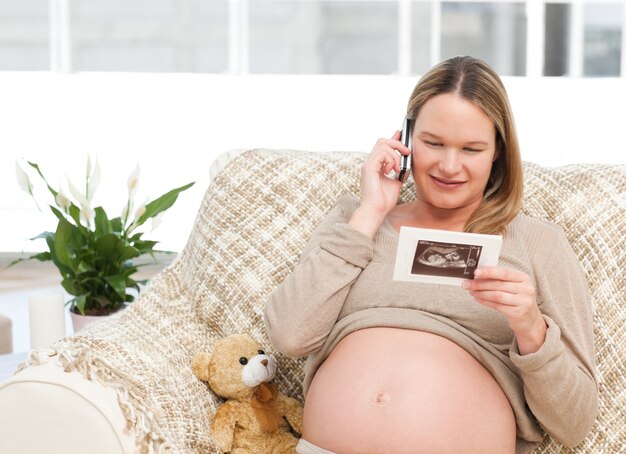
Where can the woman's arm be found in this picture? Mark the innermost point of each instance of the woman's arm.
(559, 379)
(553, 346)
(304, 307)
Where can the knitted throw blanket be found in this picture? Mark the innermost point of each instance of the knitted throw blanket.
(254, 220)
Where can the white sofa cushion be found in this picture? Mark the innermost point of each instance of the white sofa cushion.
(45, 409)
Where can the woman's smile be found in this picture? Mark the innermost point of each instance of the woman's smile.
(444, 183)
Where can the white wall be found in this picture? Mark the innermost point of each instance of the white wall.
(175, 124)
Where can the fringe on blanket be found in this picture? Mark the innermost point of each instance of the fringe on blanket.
(139, 415)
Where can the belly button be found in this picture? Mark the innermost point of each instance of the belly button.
(380, 399)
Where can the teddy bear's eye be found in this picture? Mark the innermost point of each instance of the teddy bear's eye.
(243, 360)
(261, 352)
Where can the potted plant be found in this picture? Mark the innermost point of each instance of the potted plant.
(94, 253)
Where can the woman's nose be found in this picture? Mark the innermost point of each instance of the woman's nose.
(449, 163)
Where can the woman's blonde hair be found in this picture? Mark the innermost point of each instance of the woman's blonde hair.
(475, 81)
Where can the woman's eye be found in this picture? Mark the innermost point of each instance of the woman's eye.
(432, 144)
(473, 150)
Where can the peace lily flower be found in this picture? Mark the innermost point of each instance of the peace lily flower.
(82, 199)
(62, 201)
(94, 253)
(93, 179)
(140, 211)
(22, 180)
(133, 180)
(87, 214)
(132, 183)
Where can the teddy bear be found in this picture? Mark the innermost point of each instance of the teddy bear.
(255, 418)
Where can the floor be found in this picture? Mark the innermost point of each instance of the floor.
(21, 280)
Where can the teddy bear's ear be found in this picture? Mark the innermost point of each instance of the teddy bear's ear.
(200, 365)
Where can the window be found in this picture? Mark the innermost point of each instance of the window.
(24, 34)
(603, 39)
(149, 35)
(518, 38)
(494, 32)
(323, 37)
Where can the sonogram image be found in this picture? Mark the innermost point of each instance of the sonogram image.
(445, 259)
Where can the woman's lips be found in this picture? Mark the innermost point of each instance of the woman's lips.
(446, 184)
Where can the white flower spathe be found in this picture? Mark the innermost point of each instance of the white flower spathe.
(82, 200)
(22, 179)
(62, 201)
(93, 179)
(140, 211)
(133, 180)
(87, 213)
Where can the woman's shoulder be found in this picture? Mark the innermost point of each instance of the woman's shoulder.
(539, 236)
(532, 224)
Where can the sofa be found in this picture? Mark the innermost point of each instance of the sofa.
(125, 384)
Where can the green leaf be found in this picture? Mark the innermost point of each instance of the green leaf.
(62, 238)
(75, 213)
(80, 302)
(103, 301)
(109, 246)
(118, 283)
(42, 257)
(129, 252)
(145, 246)
(44, 235)
(36, 167)
(116, 225)
(57, 213)
(127, 273)
(162, 203)
(103, 227)
(70, 287)
(84, 267)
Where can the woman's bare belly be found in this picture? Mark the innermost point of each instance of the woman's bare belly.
(388, 390)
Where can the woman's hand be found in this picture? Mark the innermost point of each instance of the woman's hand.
(513, 294)
(379, 193)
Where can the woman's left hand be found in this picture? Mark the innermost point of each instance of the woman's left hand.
(513, 294)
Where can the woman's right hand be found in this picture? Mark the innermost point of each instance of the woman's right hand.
(379, 193)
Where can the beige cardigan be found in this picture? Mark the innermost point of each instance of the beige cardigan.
(336, 289)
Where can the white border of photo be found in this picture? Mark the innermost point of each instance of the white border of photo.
(411, 236)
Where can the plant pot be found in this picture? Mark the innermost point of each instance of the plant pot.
(79, 322)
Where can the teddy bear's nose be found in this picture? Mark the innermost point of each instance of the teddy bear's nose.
(264, 362)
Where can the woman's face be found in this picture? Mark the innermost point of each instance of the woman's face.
(454, 146)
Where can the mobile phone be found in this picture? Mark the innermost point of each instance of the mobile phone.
(405, 160)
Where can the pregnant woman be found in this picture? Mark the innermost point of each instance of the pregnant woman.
(402, 367)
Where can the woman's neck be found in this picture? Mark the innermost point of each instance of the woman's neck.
(421, 214)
